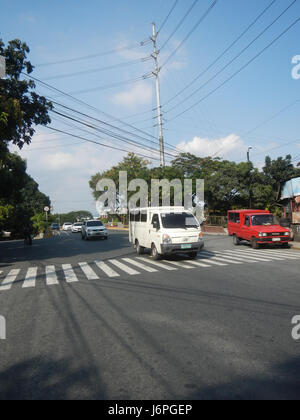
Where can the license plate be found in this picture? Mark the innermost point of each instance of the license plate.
(188, 246)
(276, 240)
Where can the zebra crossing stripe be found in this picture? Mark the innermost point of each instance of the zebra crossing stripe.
(244, 255)
(238, 257)
(222, 258)
(140, 265)
(157, 264)
(69, 273)
(269, 257)
(124, 267)
(88, 271)
(51, 278)
(9, 279)
(30, 278)
(282, 254)
(106, 269)
(180, 264)
(212, 261)
(199, 264)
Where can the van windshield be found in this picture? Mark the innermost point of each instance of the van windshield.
(263, 220)
(179, 221)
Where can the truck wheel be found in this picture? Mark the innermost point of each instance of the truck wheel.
(254, 243)
(236, 240)
(139, 249)
(154, 254)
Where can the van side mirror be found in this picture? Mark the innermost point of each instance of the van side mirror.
(156, 225)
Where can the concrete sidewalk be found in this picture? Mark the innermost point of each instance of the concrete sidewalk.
(295, 245)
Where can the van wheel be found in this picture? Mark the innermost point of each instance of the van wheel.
(154, 254)
(139, 249)
(236, 240)
(254, 243)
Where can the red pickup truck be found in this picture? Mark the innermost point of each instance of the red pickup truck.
(258, 227)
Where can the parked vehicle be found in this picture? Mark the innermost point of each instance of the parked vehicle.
(259, 227)
(93, 229)
(77, 227)
(165, 231)
(54, 226)
(67, 226)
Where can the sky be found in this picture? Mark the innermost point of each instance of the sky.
(246, 99)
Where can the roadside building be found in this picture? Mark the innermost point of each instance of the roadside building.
(289, 200)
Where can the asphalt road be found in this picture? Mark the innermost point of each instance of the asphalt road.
(124, 328)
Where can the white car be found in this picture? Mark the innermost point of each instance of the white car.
(93, 229)
(67, 226)
(76, 228)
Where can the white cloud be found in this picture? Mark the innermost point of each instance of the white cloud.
(140, 94)
(231, 146)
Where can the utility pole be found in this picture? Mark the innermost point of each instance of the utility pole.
(159, 112)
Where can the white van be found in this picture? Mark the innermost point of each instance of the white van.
(166, 231)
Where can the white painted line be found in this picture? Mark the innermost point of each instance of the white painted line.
(140, 265)
(180, 264)
(211, 261)
(198, 263)
(9, 280)
(157, 264)
(221, 258)
(107, 270)
(30, 278)
(88, 271)
(51, 278)
(268, 256)
(124, 267)
(69, 273)
(234, 257)
(243, 254)
(283, 254)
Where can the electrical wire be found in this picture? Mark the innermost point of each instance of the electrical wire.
(222, 54)
(233, 59)
(239, 70)
(167, 17)
(191, 32)
(91, 71)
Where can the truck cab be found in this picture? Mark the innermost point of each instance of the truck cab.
(259, 227)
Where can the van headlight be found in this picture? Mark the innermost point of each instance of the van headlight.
(262, 234)
(200, 238)
(166, 239)
(286, 233)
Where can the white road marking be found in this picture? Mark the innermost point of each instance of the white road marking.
(88, 271)
(180, 264)
(124, 267)
(243, 254)
(30, 278)
(9, 279)
(211, 261)
(198, 263)
(140, 265)
(268, 256)
(51, 278)
(157, 264)
(233, 256)
(282, 254)
(222, 258)
(69, 273)
(107, 270)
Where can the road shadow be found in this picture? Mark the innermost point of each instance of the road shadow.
(40, 379)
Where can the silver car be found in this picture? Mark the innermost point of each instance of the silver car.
(93, 229)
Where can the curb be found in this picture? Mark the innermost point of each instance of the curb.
(295, 245)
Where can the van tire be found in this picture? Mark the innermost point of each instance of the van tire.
(154, 254)
(139, 249)
(254, 243)
(236, 240)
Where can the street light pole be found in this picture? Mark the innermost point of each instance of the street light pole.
(250, 186)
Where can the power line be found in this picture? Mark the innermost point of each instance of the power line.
(191, 32)
(113, 66)
(88, 57)
(179, 24)
(234, 58)
(239, 70)
(167, 17)
(222, 54)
